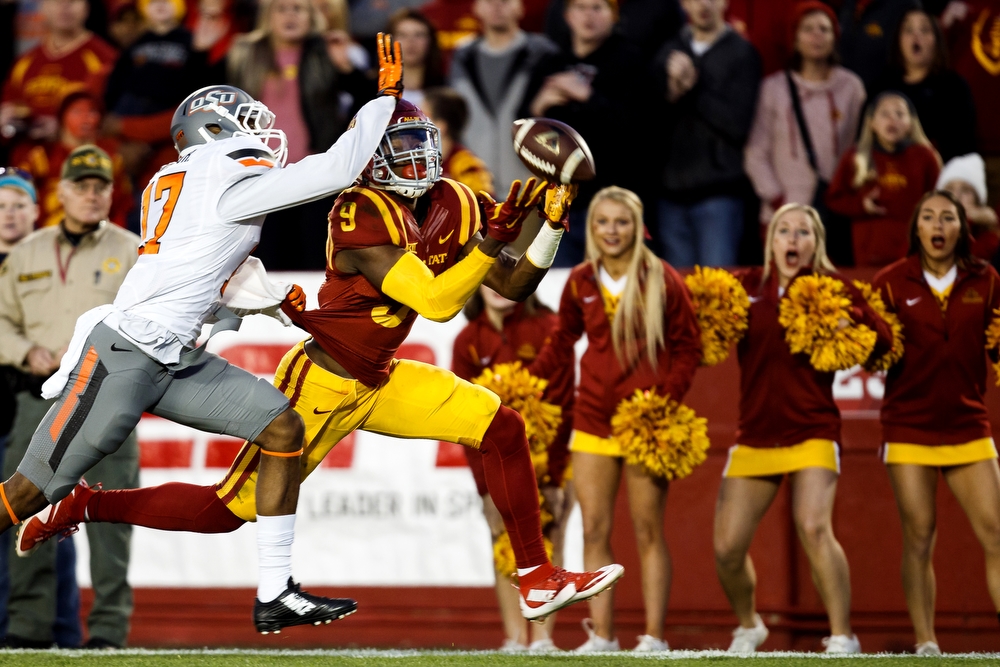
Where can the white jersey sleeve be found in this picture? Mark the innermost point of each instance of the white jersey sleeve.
(263, 191)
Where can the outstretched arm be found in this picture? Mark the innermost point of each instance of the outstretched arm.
(515, 278)
(401, 276)
(318, 176)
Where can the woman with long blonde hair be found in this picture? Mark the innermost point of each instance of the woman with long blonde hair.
(788, 425)
(642, 334)
(879, 180)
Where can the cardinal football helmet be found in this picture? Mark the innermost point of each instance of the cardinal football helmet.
(408, 159)
(220, 112)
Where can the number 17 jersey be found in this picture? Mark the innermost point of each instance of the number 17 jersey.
(188, 249)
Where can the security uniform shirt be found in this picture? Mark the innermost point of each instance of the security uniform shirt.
(46, 283)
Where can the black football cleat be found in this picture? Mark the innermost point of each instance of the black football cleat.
(296, 607)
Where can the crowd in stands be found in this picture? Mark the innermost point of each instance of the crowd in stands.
(716, 112)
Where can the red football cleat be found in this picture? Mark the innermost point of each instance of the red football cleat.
(562, 588)
(61, 519)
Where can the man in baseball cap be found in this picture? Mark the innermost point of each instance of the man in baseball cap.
(47, 281)
(87, 161)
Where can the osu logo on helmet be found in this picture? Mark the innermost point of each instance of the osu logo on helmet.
(220, 97)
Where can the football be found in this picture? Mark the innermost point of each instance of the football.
(553, 150)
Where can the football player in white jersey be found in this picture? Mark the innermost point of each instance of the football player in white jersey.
(201, 218)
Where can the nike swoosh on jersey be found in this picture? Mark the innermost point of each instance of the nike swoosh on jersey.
(589, 299)
(444, 239)
(913, 302)
(755, 299)
(119, 349)
(317, 411)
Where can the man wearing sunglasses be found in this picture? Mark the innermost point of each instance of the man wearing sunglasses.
(48, 280)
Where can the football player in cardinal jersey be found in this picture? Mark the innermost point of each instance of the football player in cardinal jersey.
(403, 242)
(201, 218)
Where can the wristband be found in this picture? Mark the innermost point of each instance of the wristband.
(542, 251)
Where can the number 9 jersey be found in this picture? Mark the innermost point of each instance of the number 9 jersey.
(356, 323)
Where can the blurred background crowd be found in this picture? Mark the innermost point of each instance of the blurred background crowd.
(715, 112)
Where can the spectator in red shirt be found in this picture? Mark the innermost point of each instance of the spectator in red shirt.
(69, 58)
(934, 418)
(880, 179)
(642, 333)
(501, 331)
(789, 425)
(79, 123)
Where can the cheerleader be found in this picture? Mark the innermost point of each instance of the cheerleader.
(642, 333)
(934, 418)
(502, 331)
(789, 425)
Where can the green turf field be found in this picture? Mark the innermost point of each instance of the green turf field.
(140, 658)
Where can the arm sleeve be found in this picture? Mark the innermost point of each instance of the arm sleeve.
(315, 176)
(13, 345)
(757, 157)
(558, 351)
(562, 382)
(683, 337)
(438, 298)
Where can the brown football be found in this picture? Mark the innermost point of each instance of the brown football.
(552, 150)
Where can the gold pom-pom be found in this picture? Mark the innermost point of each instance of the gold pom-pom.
(503, 554)
(667, 438)
(522, 392)
(895, 353)
(993, 340)
(721, 305)
(812, 314)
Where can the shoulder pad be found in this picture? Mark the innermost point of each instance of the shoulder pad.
(364, 217)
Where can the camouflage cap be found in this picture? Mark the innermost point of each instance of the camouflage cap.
(87, 160)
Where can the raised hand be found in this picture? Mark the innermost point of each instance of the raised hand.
(504, 219)
(390, 67)
(555, 209)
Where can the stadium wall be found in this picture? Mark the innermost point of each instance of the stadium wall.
(397, 525)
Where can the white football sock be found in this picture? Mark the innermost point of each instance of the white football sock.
(275, 535)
